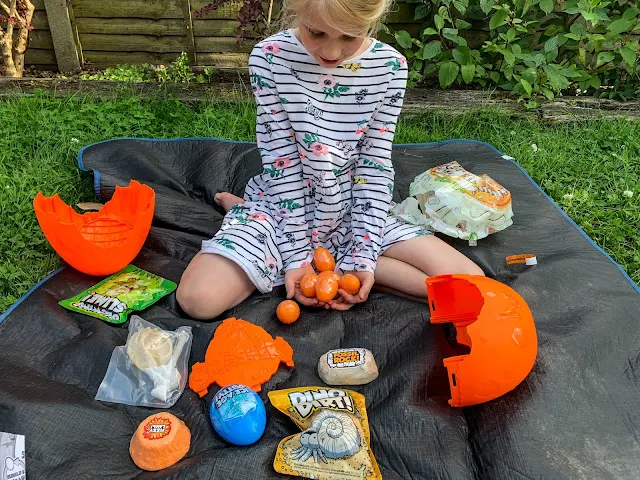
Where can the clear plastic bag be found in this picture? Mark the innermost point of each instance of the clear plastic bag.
(151, 369)
(453, 201)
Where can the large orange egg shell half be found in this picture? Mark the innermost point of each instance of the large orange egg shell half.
(496, 323)
(99, 243)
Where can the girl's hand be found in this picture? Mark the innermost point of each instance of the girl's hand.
(346, 301)
(292, 284)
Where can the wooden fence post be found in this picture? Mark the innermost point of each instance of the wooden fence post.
(63, 36)
(191, 42)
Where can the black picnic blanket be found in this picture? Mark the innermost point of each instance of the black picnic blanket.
(577, 414)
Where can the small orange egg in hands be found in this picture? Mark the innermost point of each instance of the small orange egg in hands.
(327, 286)
(330, 274)
(337, 276)
(288, 311)
(350, 284)
(323, 260)
(308, 285)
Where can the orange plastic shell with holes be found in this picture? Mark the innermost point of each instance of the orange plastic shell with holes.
(496, 323)
(99, 243)
(240, 352)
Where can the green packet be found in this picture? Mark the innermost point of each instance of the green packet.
(115, 297)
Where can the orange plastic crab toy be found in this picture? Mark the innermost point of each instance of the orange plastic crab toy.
(240, 352)
(99, 243)
(496, 323)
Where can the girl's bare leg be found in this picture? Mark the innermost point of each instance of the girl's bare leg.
(404, 267)
(212, 284)
(400, 278)
(433, 256)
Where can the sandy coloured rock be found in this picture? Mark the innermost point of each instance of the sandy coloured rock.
(347, 366)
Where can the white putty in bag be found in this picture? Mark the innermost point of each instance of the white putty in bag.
(458, 203)
(151, 370)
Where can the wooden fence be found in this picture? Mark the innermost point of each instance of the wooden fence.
(70, 34)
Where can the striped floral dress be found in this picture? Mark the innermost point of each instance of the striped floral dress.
(325, 137)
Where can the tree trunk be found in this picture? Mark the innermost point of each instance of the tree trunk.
(23, 35)
(7, 59)
(7, 43)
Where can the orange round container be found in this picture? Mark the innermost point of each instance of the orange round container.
(99, 243)
(161, 440)
(496, 323)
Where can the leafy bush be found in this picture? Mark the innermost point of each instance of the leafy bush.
(178, 71)
(534, 47)
(123, 73)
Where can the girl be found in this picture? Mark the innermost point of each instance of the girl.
(328, 100)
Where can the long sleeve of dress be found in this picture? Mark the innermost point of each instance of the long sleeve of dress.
(374, 175)
(282, 167)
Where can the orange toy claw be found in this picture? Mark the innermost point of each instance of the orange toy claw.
(496, 323)
(99, 243)
(285, 351)
(199, 379)
(240, 352)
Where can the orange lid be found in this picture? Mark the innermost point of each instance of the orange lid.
(496, 323)
(240, 352)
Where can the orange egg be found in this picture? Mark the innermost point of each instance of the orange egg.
(327, 286)
(288, 311)
(330, 274)
(350, 284)
(323, 260)
(308, 285)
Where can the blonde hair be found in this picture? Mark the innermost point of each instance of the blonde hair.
(351, 17)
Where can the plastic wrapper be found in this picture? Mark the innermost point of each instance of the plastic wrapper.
(115, 297)
(151, 369)
(334, 443)
(450, 200)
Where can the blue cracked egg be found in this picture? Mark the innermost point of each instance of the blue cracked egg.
(238, 415)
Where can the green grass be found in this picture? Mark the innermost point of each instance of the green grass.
(585, 167)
